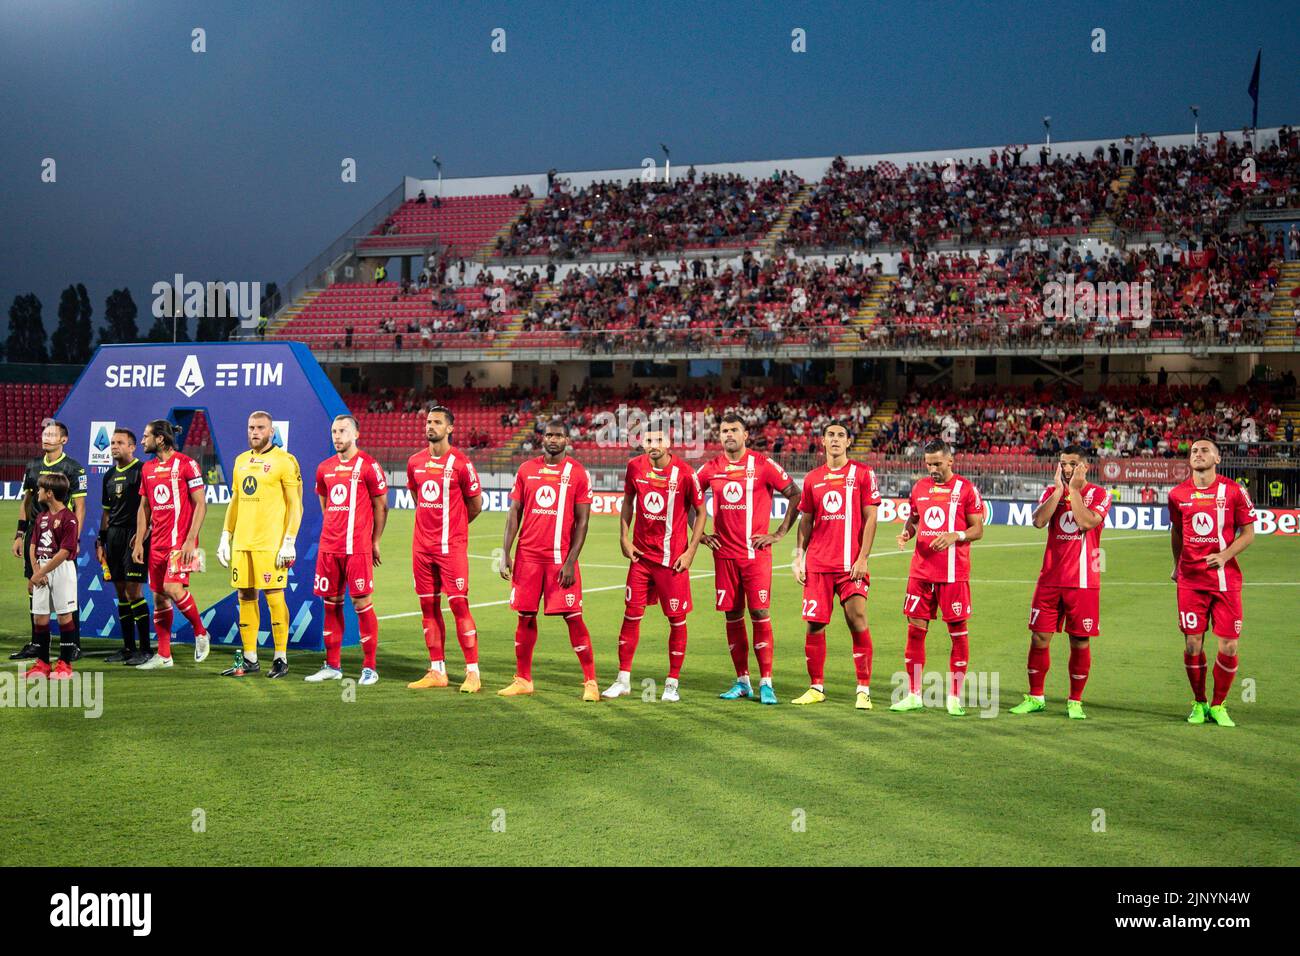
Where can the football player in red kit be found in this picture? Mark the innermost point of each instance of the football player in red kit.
(1211, 521)
(663, 493)
(172, 508)
(838, 525)
(742, 483)
(448, 497)
(550, 506)
(1068, 595)
(947, 514)
(354, 507)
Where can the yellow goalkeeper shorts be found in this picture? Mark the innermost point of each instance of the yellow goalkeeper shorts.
(256, 569)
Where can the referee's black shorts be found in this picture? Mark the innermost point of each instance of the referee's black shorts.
(117, 551)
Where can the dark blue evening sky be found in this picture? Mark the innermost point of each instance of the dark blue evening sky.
(226, 164)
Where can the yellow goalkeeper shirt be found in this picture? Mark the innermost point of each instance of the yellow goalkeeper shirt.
(265, 500)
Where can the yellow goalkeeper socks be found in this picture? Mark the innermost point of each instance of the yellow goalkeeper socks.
(249, 622)
(279, 621)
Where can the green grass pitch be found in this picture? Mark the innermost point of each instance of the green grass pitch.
(186, 768)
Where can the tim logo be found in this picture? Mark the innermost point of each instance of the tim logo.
(1087, 624)
(339, 494)
(654, 502)
(934, 517)
(832, 502)
(1202, 523)
(569, 599)
(732, 491)
(161, 494)
(429, 491)
(545, 497)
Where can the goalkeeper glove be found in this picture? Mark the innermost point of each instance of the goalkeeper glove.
(223, 549)
(287, 554)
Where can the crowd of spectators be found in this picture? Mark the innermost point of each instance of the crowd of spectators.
(646, 218)
(925, 203)
(1156, 422)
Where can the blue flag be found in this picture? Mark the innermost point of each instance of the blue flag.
(1253, 90)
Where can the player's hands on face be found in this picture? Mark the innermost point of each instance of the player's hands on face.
(567, 575)
(762, 541)
(710, 541)
(1080, 476)
(1058, 479)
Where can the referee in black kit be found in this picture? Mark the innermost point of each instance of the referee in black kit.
(121, 502)
(53, 461)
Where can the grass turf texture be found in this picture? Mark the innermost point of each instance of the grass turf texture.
(288, 773)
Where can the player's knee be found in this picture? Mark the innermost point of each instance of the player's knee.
(1040, 640)
(733, 616)
(957, 628)
(633, 613)
(161, 601)
(815, 629)
(1078, 643)
(755, 615)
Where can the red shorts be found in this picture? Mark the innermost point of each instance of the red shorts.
(531, 581)
(648, 583)
(1198, 609)
(821, 588)
(741, 582)
(930, 599)
(1076, 611)
(440, 573)
(160, 574)
(337, 573)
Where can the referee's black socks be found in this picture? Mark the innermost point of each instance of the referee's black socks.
(140, 610)
(126, 618)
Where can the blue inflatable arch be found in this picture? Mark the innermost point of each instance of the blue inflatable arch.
(130, 385)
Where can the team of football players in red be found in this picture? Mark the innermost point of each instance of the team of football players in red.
(663, 523)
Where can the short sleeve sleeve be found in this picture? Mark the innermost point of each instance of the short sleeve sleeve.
(320, 480)
(517, 490)
(1047, 493)
(193, 477)
(1101, 502)
(376, 483)
(469, 484)
(806, 502)
(777, 477)
(872, 496)
(78, 482)
(1243, 511)
(974, 502)
(629, 483)
(582, 488)
(694, 490)
(410, 475)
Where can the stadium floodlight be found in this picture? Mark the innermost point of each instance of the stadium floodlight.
(1196, 124)
(438, 163)
(1047, 125)
(668, 165)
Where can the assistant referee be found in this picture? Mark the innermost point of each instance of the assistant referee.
(121, 501)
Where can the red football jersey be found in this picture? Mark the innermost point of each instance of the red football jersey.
(662, 498)
(1210, 518)
(441, 486)
(1070, 560)
(547, 494)
(835, 498)
(742, 499)
(941, 508)
(348, 486)
(55, 533)
(168, 487)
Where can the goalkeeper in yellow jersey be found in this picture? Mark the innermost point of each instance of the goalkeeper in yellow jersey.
(257, 542)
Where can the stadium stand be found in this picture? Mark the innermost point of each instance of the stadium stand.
(462, 223)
